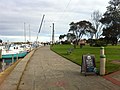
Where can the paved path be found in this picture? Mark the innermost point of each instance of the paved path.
(49, 71)
(114, 77)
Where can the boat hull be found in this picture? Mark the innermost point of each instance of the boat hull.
(19, 55)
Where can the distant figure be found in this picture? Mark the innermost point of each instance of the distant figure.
(44, 44)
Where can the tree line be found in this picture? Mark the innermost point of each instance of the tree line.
(102, 30)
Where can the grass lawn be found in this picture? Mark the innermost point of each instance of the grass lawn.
(111, 52)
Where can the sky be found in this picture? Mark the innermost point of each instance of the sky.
(19, 15)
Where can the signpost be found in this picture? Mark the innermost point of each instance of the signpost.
(88, 65)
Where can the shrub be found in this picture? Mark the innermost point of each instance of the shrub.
(65, 42)
(97, 42)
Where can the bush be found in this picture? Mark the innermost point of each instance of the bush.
(97, 42)
(65, 42)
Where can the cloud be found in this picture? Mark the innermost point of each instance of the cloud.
(13, 14)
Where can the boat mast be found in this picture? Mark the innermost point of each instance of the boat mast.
(29, 34)
(40, 27)
(24, 32)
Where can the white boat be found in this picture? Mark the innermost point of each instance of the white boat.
(13, 51)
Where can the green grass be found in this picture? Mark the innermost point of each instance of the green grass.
(111, 52)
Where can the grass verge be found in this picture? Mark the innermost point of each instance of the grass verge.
(111, 52)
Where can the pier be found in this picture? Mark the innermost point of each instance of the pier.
(42, 69)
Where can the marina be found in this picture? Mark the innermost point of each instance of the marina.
(52, 72)
(60, 45)
(10, 53)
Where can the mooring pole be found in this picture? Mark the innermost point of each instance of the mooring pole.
(12, 58)
(3, 65)
(17, 56)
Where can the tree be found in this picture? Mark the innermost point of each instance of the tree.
(111, 20)
(73, 29)
(62, 37)
(96, 16)
(70, 37)
(81, 28)
(85, 28)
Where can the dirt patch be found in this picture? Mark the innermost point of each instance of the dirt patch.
(116, 61)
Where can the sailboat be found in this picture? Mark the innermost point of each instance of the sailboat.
(13, 51)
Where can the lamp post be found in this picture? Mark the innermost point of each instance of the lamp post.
(53, 35)
(50, 34)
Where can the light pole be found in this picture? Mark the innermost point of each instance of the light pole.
(53, 35)
(50, 34)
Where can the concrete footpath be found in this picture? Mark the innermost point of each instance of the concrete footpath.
(47, 70)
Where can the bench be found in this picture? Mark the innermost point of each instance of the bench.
(70, 50)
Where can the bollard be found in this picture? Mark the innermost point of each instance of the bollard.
(0, 53)
(102, 51)
(102, 64)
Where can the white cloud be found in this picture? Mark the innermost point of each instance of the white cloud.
(13, 14)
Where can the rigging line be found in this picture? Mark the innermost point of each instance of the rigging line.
(65, 8)
(68, 4)
(62, 11)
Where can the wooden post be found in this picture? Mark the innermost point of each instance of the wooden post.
(17, 56)
(3, 65)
